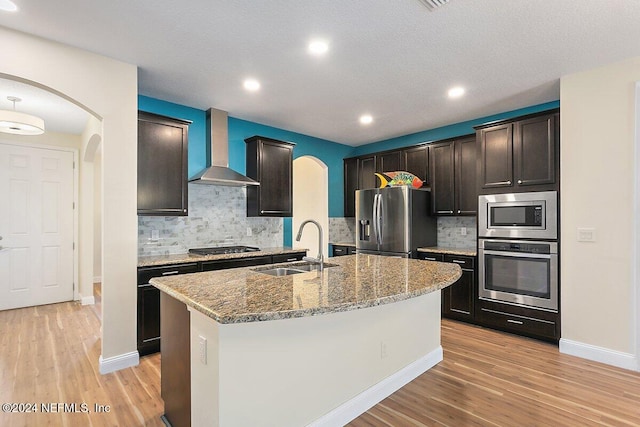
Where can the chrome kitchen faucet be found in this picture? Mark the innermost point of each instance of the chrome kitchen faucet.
(320, 259)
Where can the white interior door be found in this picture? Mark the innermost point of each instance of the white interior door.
(36, 226)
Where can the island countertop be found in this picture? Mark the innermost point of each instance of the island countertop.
(243, 295)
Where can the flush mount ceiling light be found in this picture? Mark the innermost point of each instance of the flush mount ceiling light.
(432, 5)
(366, 119)
(8, 6)
(17, 123)
(456, 92)
(318, 47)
(251, 85)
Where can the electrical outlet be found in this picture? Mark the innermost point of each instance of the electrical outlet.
(202, 343)
(249, 232)
(463, 231)
(155, 235)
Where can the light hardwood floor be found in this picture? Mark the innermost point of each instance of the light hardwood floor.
(50, 353)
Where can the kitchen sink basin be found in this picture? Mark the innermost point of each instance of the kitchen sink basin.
(289, 269)
(281, 271)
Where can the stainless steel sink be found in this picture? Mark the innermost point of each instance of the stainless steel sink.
(289, 269)
(281, 271)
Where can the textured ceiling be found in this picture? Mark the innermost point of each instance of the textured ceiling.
(392, 59)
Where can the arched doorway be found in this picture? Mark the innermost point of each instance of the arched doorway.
(310, 201)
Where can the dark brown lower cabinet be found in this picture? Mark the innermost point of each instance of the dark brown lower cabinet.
(540, 324)
(175, 369)
(458, 299)
(149, 304)
(341, 250)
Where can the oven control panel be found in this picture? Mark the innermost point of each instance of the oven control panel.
(524, 247)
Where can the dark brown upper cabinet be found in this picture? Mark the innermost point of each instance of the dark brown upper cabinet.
(366, 172)
(359, 172)
(162, 165)
(270, 162)
(415, 160)
(520, 155)
(350, 186)
(453, 176)
(390, 161)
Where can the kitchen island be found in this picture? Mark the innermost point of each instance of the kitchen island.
(313, 348)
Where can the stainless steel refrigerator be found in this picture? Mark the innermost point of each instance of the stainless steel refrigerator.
(394, 221)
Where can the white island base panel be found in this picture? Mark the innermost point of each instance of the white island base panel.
(318, 370)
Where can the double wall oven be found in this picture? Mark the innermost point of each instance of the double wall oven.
(518, 249)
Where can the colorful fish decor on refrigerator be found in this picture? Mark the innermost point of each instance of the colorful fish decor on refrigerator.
(398, 178)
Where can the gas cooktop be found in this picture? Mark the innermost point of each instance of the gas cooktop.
(223, 250)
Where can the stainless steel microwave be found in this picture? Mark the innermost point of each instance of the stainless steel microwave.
(519, 215)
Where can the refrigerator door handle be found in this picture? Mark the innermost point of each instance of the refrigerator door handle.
(374, 217)
(379, 218)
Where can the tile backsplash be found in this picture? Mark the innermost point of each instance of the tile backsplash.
(449, 231)
(217, 217)
(343, 230)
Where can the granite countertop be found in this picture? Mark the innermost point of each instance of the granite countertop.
(243, 295)
(159, 260)
(451, 251)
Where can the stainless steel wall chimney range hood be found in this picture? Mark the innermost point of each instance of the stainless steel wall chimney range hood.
(218, 141)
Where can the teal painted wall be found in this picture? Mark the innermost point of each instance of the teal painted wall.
(450, 131)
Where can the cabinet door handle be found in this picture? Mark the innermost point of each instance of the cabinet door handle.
(429, 259)
(169, 273)
(519, 181)
(457, 261)
(443, 212)
(458, 210)
(517, 322)
(508, 182)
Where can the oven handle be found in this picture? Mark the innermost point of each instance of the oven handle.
(517, 254)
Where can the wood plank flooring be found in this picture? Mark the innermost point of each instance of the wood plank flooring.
(488, 378)
(49, 354)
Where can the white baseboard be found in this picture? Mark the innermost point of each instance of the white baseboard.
(97, 279)
(89, 300)
(122, 361)
(599, 354)
(351, 409)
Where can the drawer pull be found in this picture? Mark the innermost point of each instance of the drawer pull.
(429, 259)
(517, 322)
(292, 259)
(169, 273)
(457, 261)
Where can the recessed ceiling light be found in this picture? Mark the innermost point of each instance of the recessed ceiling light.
(456, 92)
(251, 85)
(318, 47)
(366, 119)
(8, 6)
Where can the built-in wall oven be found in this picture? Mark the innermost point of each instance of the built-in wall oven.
(518, 249)
(519, 272)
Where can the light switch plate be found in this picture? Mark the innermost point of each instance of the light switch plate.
(586, 234)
